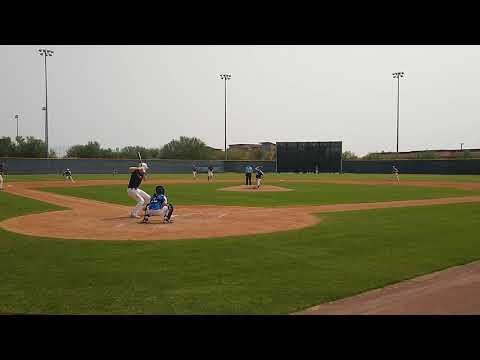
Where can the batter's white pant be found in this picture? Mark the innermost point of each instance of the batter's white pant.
(1, 182)
(141, 197)
(69, 178)
(210, 174)
(259, 181)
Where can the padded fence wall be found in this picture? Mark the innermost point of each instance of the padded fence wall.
(106, 166)
(446, 167)
(309, 156)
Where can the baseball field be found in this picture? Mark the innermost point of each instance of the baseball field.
(300, 241)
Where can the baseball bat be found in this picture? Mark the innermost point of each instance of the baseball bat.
(139, 156)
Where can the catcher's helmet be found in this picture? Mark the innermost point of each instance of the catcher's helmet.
(160, 190)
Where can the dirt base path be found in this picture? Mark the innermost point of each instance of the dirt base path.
(253, 188)
(455, 291)
(94, 220)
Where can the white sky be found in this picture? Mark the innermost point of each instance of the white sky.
(148, 95)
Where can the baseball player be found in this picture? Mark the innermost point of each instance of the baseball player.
(2, 170)
(67, 174)
(138, 173)
(210, 172)
(395, 173)
(258, 175)
(158, 205)
(194, 170)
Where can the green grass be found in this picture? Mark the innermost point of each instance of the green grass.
(303, 194)
(270, 176)
(12, 205)
(345, 254)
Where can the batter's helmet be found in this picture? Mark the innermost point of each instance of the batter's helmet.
(160, 190)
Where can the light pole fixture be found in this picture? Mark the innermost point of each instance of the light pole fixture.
(398, 75)
(45, 53)
(16, 118)
(225, 77)
(461, 146)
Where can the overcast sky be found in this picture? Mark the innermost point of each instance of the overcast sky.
(148, 95)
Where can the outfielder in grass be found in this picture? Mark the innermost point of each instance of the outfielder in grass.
(158, 206)
(138, 174)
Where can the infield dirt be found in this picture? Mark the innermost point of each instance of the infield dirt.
(95, 220)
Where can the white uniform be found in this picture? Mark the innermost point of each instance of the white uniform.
(137, 194)
(141, 197)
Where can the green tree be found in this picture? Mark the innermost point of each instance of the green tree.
(30, 147)
(373, 156)
(7, 146)
(465, 154)
(188, 148)
(91, 150)
(238, 154)
(349, 155)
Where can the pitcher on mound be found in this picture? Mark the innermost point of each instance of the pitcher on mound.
(138, 174)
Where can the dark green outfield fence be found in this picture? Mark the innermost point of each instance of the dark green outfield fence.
(445, 167)
(309, 156)
(106, 166)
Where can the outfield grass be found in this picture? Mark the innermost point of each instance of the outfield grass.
(303, 194)
(279, 273)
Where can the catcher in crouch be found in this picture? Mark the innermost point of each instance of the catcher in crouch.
(158, 205)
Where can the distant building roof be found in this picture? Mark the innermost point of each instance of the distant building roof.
(420, 151)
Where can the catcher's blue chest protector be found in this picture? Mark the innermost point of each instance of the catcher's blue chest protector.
(156, 202)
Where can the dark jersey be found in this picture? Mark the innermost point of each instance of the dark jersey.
(210, 168)
(259, 173)
(1, 169)
(135, 179)
(67, 173)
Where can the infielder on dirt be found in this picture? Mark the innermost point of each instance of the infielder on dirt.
(194, 170)
(210, 172)
(67, 174)
(141, 197)
(158, 206)
(395, 173)
(258, 175)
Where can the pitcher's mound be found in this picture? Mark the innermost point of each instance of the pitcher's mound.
(254, 188)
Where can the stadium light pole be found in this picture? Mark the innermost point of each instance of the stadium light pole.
(398, 75)
(225, 77)
(16, 118)
(45, 53)
(461, 146)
